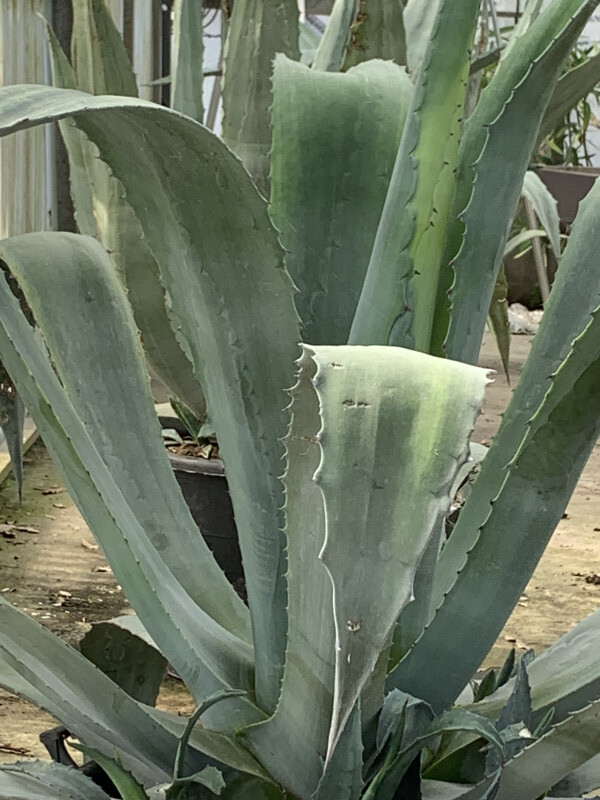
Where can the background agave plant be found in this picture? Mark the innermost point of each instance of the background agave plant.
(332, 683)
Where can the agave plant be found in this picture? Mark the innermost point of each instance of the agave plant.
(345, 675)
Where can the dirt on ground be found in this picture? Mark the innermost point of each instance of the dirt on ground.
(51, 568)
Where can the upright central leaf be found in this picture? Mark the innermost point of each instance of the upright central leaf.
(411, 235)
(258, 30)
(335, 138)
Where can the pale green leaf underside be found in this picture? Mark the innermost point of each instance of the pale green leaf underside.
(395, 430)
(335, 138)
(225, 270)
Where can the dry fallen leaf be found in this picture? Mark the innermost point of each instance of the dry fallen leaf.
(89, 545)
(101, 569)
(49, 489)
(64, 593)
(59, 505)
(26, 529)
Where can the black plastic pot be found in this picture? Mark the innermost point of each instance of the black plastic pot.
(204, 487)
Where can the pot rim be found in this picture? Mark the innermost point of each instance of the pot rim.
(202, 466)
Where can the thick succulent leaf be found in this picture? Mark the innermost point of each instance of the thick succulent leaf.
(134, 665)
(101, 211)
(576, 287)
(127, 785)
(40, 667)
(12, 422)
(187, 58)
(218, 747)
(98, 53)
(411, 235)
(342, 777)
(292, 742)
(251, 788)
(419, 21)
(384, 786)
(258, 29)
(570, 89)
(564, 678)
(235, 263)
(495, 151)
(547, 760)
(335, 138)
(395, 428)
(545, 206)
(585, 778)
(537, 486)
(378, 32)
(331, 51)
(440, 790)
(99, 472)
(43, 780)
(528, 16)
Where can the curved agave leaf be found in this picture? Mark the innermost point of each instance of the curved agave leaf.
(549, 759)
(385, 784)
(103, 472)
(37, 665)
(583, 780)
(43, 780)
(300, 726)
(411, 235)
(545, 206)
(576, 287)
(335, 138)
(537, 485)
(564, 678)
(570, 89)
(224, 271)
(102, 211)
(492, 165)
(258, 29)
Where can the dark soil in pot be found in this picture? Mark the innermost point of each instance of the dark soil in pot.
(204, 486)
